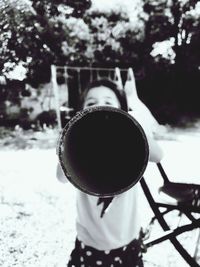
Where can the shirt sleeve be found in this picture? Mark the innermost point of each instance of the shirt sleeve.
(143, 121)
(60, 174)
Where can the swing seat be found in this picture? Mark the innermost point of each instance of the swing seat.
(184, 193)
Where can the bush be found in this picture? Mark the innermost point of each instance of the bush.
(47, 117)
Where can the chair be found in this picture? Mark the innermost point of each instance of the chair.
(187, 202)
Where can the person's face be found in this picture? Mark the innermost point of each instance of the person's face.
(101, 96)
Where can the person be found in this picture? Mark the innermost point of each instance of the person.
(108, 228)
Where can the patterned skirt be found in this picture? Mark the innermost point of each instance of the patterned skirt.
(127, 256)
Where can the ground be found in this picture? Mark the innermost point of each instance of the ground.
(37, 215)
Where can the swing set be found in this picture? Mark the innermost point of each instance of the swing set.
(185, 209)
(82, 75)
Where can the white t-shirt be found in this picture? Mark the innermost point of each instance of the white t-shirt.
(119, 225)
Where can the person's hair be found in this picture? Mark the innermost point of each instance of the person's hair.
(119, 92)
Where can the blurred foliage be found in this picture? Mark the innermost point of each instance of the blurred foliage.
(113, 38)
(173, 74)
(179, 20)
(31, 32)
(40, 33)
(160, 42)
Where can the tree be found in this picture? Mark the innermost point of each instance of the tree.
(173, 78)
(172, 20)
(110, 33)
(32, 33)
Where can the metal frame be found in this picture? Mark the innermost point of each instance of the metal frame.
(159, 216)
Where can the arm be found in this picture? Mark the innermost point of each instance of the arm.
(155, 151)
(60, 174)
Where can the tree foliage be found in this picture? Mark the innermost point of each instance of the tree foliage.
(38, 33)
(109, 35)
(171, 57)
(31, 32)
(161, 44)
(177, 21)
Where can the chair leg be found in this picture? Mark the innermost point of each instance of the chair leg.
(197, 245)
(186, 256)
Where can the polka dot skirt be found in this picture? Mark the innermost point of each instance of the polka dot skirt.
(127, 256)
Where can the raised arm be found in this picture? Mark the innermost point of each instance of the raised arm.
(60, 174)
(155, 151)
